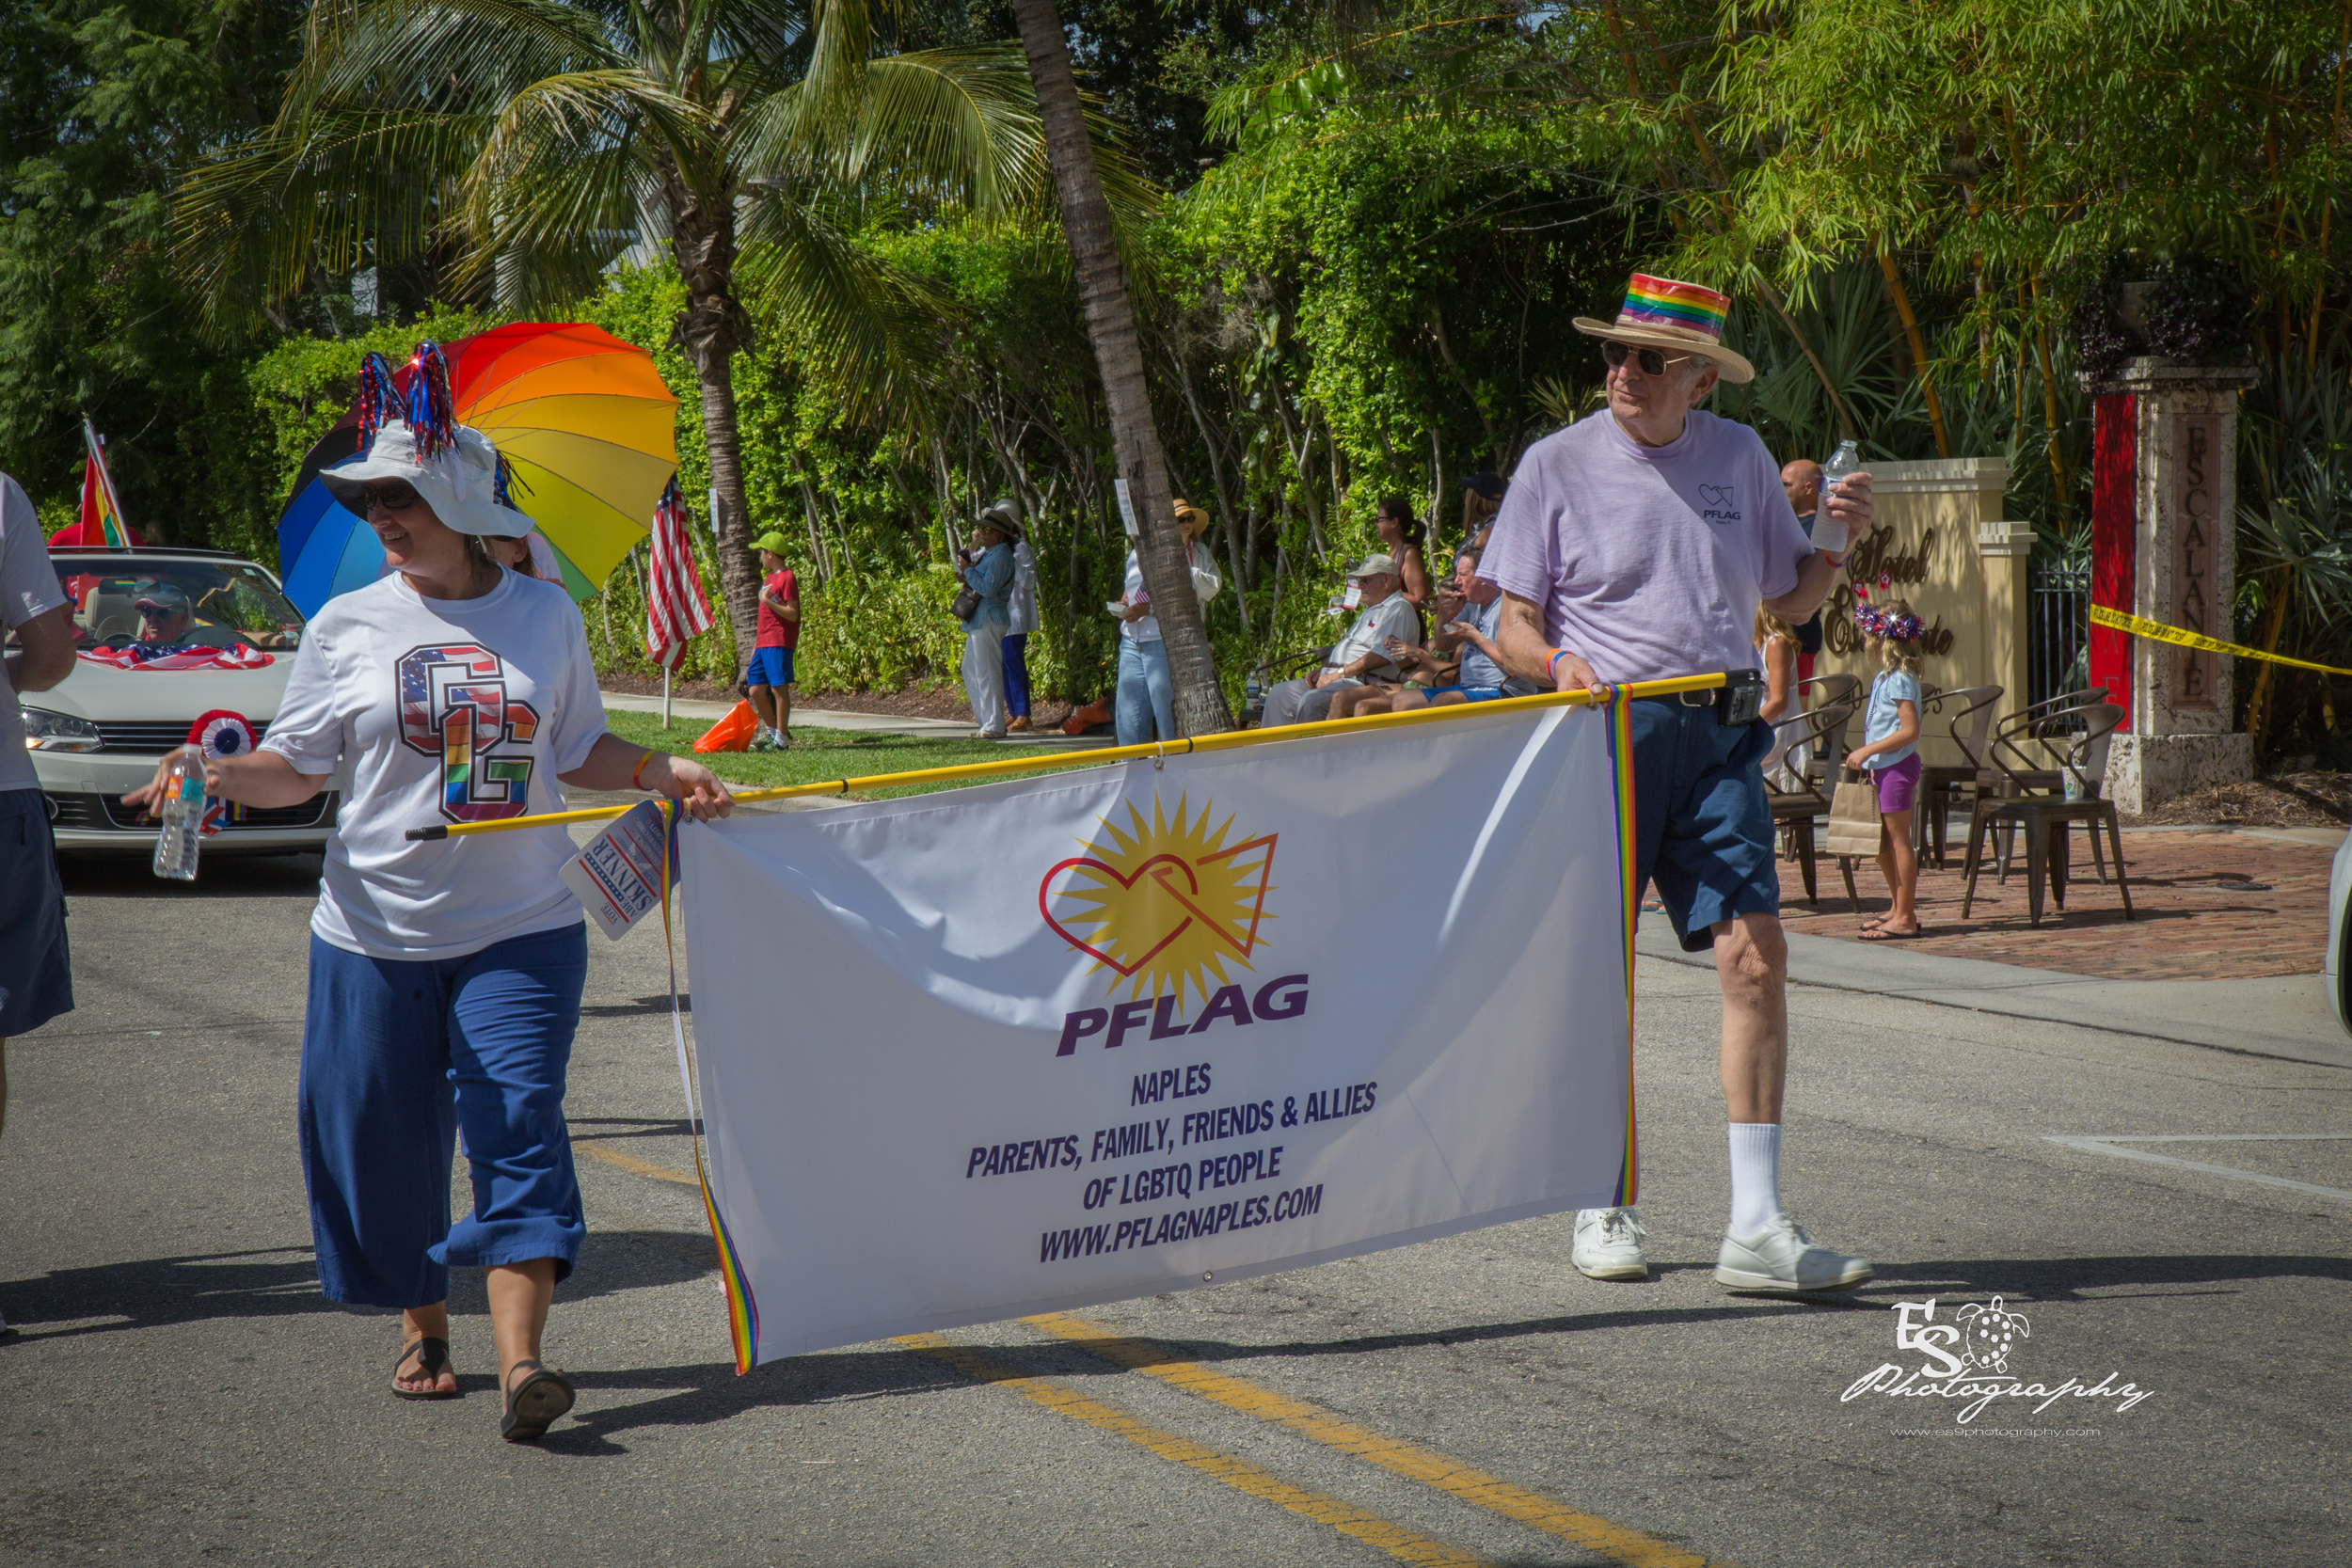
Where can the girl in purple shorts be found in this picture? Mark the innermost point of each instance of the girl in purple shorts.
(1890, 752)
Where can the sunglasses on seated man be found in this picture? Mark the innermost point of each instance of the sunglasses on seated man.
(1652, 362)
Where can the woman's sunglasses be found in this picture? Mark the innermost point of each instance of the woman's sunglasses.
(391, 501)
(1652, 362)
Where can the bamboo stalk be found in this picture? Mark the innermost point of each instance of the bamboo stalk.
(1224, 742)
(1918, 349)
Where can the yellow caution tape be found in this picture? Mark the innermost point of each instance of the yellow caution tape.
(2158, 631)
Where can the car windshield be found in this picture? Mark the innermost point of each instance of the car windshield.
(115, 600)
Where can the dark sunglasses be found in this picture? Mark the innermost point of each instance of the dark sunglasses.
(1651, 361)
(391, 501)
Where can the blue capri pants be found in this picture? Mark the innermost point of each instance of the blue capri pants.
(396, 1058)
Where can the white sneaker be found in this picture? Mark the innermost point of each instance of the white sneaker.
(1781, 1257)
(1609, 1244)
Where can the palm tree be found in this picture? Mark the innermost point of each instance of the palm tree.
(533, 143)
(1087, 222)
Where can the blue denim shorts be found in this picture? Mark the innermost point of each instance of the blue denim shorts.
(35, 970)
(1702, 826)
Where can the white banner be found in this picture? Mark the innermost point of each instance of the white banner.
(1094, 1036)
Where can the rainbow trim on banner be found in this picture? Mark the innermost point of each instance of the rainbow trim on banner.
(742, 1310)
(1621, 777)
(1664, 302)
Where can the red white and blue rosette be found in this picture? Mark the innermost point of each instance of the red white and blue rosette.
(222, 734)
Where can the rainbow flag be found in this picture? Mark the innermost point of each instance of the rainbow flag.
(102, 513)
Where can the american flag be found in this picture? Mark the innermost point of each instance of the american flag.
(676, 608)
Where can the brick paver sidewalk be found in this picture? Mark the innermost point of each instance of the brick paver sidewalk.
(2215, 905)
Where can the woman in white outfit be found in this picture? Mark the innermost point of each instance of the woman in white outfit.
(1777, 652)
(987, 569)
(1147, 694)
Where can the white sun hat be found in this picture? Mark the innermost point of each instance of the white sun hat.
(460, 482)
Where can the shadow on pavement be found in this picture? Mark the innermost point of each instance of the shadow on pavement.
(154, 1292)
(218, 875)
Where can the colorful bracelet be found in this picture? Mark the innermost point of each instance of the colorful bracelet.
(1551, 667)
(639, 769)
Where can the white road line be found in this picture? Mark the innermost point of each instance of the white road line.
(2109, 1144)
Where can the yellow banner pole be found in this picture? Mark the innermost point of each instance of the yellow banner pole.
(1095, 757)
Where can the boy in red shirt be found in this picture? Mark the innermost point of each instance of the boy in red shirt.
(770, 678)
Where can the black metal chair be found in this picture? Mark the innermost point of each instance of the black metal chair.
(1969, 725)
(1824, 728)
(2043, 817)
(2023, 745)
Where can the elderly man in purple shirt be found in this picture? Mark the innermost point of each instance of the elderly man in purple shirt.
(1637, 548)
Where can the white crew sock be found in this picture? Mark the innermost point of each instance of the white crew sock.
(1755, 1175)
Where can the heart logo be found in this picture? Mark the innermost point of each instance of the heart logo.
(1164, 904)
(1715, 495)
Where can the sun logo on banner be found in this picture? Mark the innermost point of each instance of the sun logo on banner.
(1163, 906)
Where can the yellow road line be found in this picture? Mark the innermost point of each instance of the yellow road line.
(1345, 1517)
(631, 1163)
(1449, 1476)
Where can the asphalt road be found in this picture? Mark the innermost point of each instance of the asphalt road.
(179, 1392)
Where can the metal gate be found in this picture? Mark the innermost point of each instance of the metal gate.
(2057, 631)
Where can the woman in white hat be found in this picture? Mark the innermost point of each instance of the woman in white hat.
(1147, 692)
(445, 976)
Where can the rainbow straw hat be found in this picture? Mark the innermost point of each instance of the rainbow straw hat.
(1660, 312)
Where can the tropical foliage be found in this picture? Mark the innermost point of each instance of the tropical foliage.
(1372, 226)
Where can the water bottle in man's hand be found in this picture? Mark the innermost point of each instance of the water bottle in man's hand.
(1829, 533)
(184, 816)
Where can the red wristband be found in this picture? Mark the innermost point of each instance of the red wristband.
(635, 772)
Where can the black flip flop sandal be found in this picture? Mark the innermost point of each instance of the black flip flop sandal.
(431, 1359)
(533, 1404)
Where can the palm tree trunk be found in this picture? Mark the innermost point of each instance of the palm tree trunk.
(1086, 218)
(710, 329)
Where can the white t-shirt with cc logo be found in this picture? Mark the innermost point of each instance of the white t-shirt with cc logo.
(441, 711)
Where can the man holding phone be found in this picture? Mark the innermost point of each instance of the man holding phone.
(1635, 548)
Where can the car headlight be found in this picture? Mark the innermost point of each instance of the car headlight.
(45, 730)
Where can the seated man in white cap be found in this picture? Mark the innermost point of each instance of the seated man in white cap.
(1637, 548)
(1362, 652)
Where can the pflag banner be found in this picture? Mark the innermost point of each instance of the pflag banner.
(1041, 1044)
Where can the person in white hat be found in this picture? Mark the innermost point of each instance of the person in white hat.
(445, 976)
(1637, 546)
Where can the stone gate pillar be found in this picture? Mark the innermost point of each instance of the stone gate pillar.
(2164, 545)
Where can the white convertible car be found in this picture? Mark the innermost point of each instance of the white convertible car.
(98, 733)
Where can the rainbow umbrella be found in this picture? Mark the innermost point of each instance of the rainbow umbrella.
(585, 420)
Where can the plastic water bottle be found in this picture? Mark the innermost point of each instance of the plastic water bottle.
(183, 817)
(1829, 533)
(1253, 689)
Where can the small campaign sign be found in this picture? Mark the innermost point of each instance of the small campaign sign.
(617, 879)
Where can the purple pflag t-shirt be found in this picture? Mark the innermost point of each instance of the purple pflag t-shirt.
(1649, 561)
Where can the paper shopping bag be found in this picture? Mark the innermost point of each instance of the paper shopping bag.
(1854, 825)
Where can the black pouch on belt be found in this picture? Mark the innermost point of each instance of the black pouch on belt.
(1740, 698)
